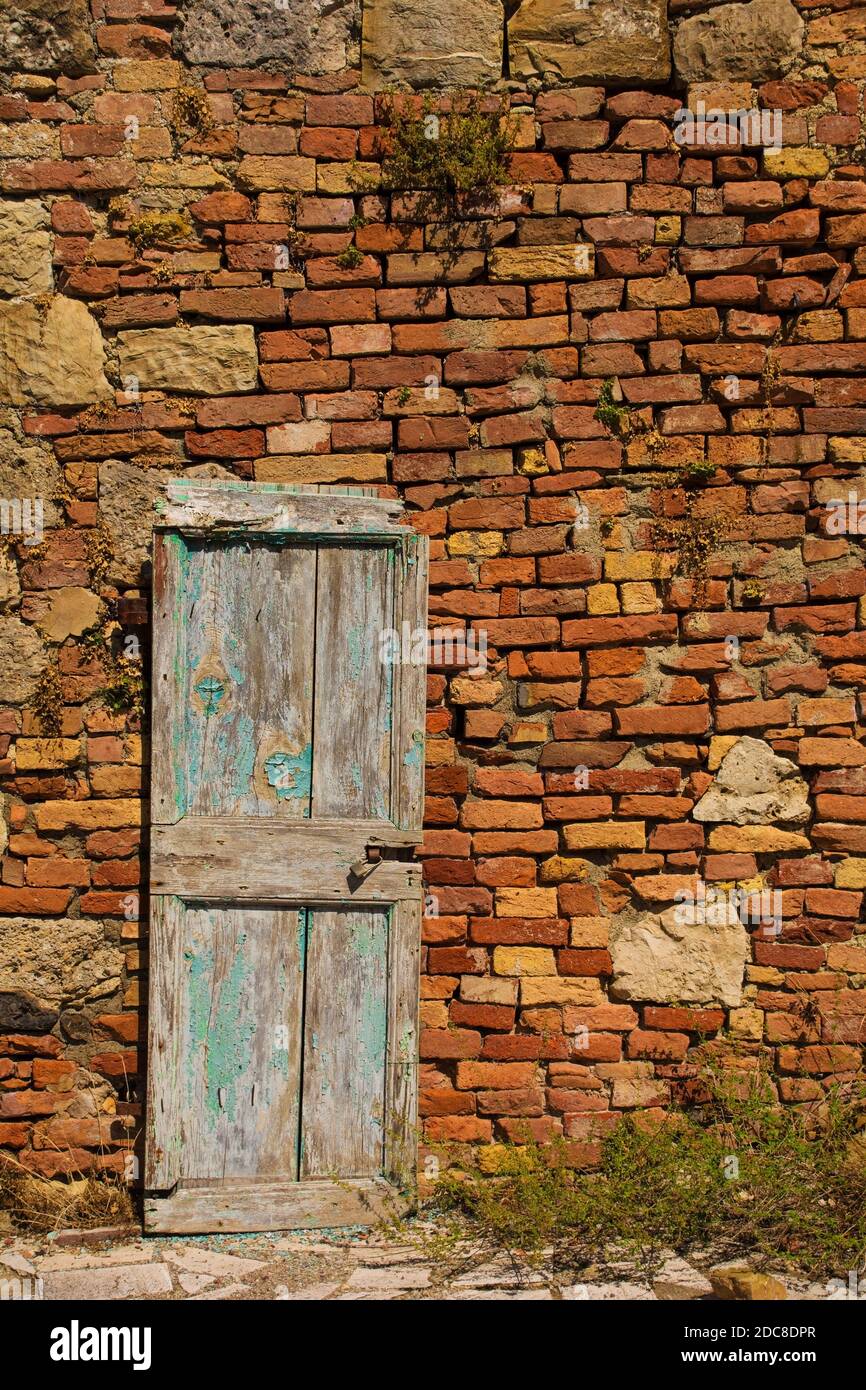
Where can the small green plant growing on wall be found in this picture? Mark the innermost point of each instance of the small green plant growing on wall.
(451, 155)
(695, 533)
(153, 228)
(351, 258)
(611, 412)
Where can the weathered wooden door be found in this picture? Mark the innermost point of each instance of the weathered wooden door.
(286, 794)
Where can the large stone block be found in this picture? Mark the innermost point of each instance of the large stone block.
(740, 43)
(308, 36)
(58, 962)
(438, 45)
(30, 471)
(25, 248)
(46, 36)
(684, 956)
(23, 658)
(754, 786)
(50, 357)
(126, 497)
(206, 361)
(607, 40)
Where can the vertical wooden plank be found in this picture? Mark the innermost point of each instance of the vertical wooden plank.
(248, 697)
(353, 717)
(345, 1039)
(162, 1163)
(168, 663)
(241, 1019)
(410, 689)
(401, 1074)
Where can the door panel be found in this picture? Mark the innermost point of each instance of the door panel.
(241, 1021)
(345, 1037)
(354, 689)
(249, 678)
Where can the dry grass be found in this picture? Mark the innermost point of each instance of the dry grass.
(35, 1203)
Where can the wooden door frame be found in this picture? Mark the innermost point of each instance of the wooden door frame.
(182, 847)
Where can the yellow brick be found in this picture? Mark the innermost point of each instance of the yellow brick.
(466, 691)
(433, 1014)
(321, 468)
(756, 839)
(32, 754)
(518, 263)
(638, 564)
(115, 779)
(764, 975)
(88, 815)
(554, 989)
(348, 178)
(533, 463)
(640, 598)
(747, 1024)
(625, 834)
(528, 733)
(822, 326)
(799, 162)
(602, 598)
(562, 869)
(523, 960)
(183, 173)
(525, 902)
(270, 173)
(439, 752)
(590, 931)
(668, 229)
(720, 96)
(482, 544)
(851, 873)
(152, 76)
(720, 744)
(850, 449)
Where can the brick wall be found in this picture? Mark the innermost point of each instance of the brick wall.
(727, 312)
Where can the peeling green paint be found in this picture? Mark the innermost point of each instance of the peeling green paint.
(211, 691)
(220, 1028)
(290, 775)
(414, 756)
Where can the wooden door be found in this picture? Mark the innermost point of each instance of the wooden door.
(286, 796)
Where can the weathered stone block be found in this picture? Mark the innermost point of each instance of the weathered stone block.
(668, 962)
(30, 471)
(743, 43)
(606, 41)
(207, 361)
(755, 787)
(60, 962)
(25, 248)
(432, 45)
(126, 497)
(23, 658)
(308, 36)
(46, 36)
(50, 358)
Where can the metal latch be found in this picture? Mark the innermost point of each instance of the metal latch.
(362, 867)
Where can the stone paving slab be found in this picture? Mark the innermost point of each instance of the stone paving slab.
(117, 1282)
